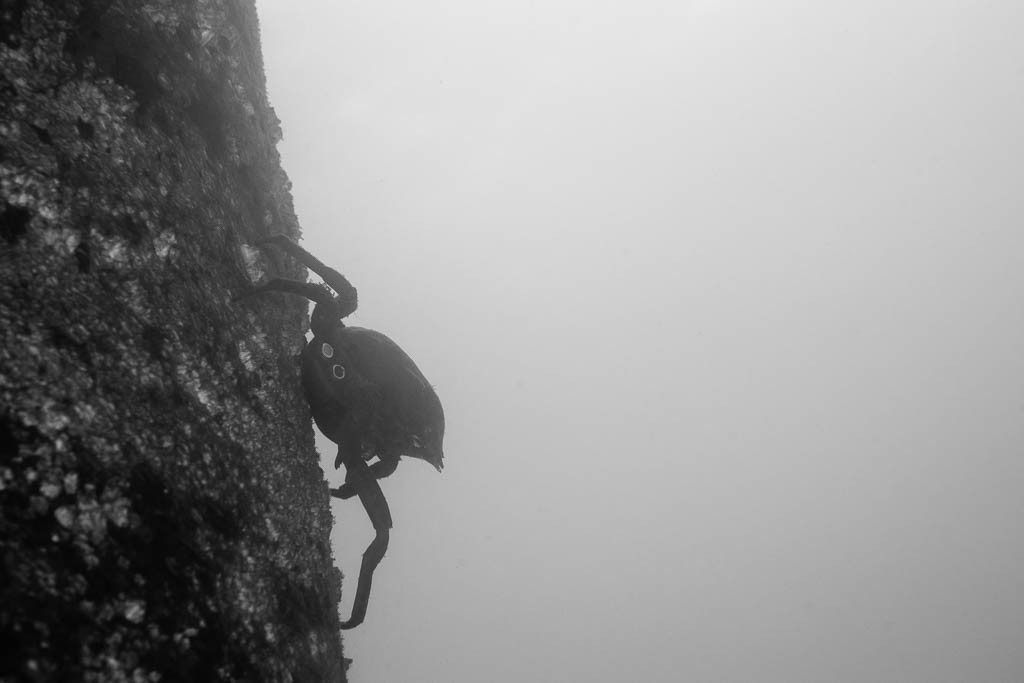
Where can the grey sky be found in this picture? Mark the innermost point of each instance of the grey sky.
(723, 301)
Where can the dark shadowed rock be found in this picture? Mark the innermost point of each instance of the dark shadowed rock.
(163, 515)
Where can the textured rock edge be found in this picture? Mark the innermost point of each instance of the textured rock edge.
(163, 515)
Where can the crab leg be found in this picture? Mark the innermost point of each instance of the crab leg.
(360, 480)
(339, 283)
(378, 470)
(310, 290)
(384, 467)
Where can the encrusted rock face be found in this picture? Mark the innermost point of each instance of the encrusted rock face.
(163, 515)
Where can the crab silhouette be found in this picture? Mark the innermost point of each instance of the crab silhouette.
(366, 395)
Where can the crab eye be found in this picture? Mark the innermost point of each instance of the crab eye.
(338, 371)
(327, 350)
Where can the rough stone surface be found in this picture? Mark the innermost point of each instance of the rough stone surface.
(163, 515)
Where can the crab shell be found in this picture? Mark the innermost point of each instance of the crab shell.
(365, 392)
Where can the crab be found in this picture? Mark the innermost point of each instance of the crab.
(366, 395)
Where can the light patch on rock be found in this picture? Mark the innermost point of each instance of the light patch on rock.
(253, 262)
(245, 355)
(134, 611)
(65, 516)
(163, 243)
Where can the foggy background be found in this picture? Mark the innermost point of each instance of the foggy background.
(723, 302)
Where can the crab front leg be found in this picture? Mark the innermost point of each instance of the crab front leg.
(348, 298)
(312, 291)
(360, 481)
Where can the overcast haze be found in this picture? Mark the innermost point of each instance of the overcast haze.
(724, 304)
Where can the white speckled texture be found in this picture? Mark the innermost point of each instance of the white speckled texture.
(164, 515)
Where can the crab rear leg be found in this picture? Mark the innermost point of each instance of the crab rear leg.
(380, 469)
(360, 481)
